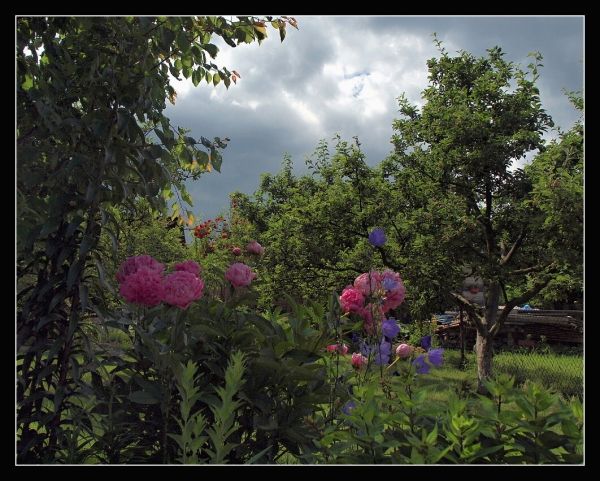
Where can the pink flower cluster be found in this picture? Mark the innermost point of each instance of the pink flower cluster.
(239, 274)
(181, 288)
(255, 248)
(143, 287)
(343, 349)
(188, 266)
(141, 282)
(132, 264)
(358, 360)
(373, 294)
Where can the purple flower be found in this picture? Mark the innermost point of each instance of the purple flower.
(348, 407)
(421, 365)
(390, 328)
(389, 284)
(426, 342)
(383, 353)
(364, 348)
(435, 357)
(377, 237)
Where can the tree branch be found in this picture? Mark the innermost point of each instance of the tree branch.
(387, 262)
(487, 221)
(472, 311)
(527, 270)
(537, 287)
(505, 259)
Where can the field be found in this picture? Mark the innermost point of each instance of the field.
(560, 372)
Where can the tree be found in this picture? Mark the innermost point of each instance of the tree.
(315, 228)
(557, 197)
(90, 91)
(480, 116)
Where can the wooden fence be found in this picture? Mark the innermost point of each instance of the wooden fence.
(523, 328)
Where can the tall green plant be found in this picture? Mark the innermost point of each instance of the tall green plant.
(90, 91)
(194, 430)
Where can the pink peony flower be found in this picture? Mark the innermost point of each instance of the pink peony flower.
(236, 251)
(362, 283)
(132, 264)
(351, 300)
(358, 360)
(393, 300)
(404, 350)
(188, 266)
(143, 287)
(335, 347)
(255, 248)
(395, 290)
(181, 288)
(239, 274)
(367, 314)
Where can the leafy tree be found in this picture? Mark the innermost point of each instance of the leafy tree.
(315, 228)
(480, 116)
(557, 196)
(90, 91)
(310, 224)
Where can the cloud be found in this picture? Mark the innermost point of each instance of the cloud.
(343, 75)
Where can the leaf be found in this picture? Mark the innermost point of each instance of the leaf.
(216, 79)
(215, 159)
(257, 456)
(282, 31)
(74, 271)
(191, 218)
(196, 77)
(431, 438)
(27, 83)
(211, 49)
(83, 296)
(202, 158)
(261, 30)
(143, 397)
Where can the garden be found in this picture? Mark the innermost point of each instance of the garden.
(295, 327)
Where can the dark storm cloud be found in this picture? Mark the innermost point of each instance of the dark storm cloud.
(343, 75)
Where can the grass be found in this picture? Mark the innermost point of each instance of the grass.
(561, 372)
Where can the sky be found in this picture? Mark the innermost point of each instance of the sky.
(343, 75)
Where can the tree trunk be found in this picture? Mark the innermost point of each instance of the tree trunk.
(483, 348)
(462, 341)
(484, 343)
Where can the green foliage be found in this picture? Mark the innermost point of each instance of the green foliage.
(194, 431)
(193, 426)
(557, 196)
(316, 228)
(224, 411)
(480, 116)
(172, 386)
(513, 426)
(90, 91)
